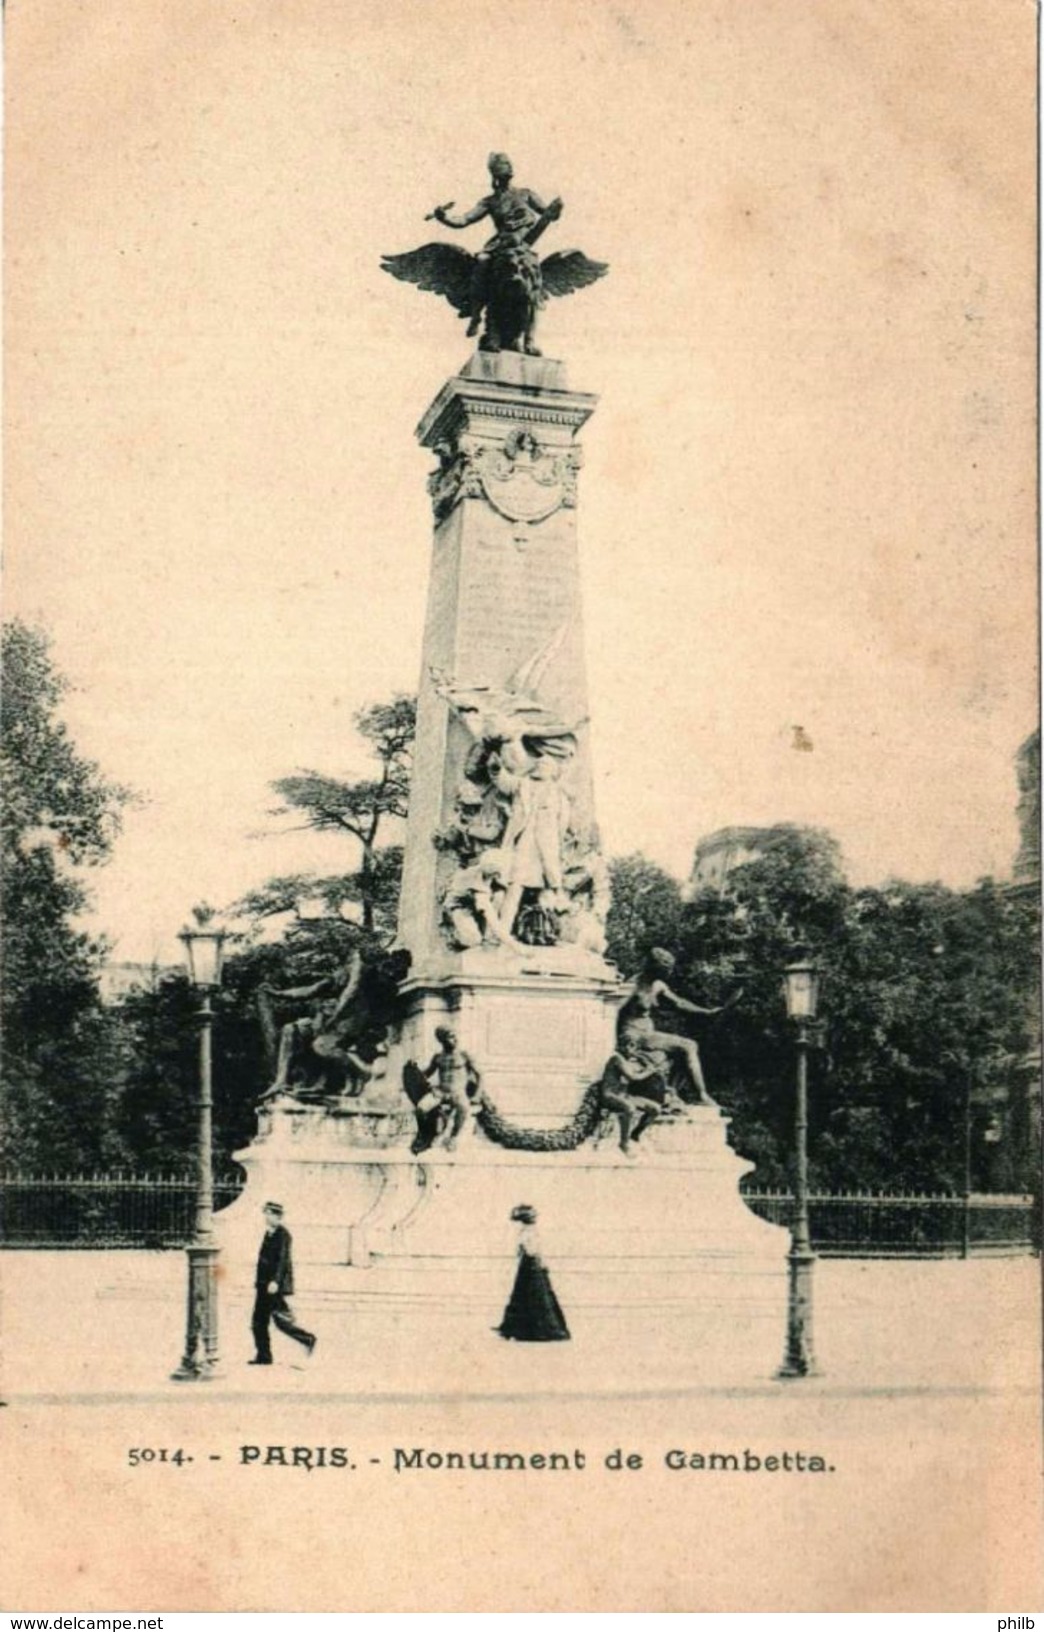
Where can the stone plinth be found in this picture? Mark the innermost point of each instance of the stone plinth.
(330, 1169)
(675, 1199)
(665, 1228)
(538, 1039)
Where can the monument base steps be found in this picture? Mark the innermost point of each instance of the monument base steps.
(664, 1229)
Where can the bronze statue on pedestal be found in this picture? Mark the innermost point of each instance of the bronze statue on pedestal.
(505, 282)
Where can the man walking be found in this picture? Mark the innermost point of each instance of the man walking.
(273, 1285)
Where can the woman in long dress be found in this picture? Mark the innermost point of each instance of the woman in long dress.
(533, 1313)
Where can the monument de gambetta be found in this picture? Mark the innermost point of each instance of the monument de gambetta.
(519, 1067)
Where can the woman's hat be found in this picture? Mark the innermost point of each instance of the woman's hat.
(524, 1214)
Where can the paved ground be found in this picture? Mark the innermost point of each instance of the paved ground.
(925, 1423)
(97, 1325)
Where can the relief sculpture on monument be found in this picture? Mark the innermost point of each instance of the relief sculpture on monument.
(513, 801)
(522, 479)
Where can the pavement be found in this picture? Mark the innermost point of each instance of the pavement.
(93, 1326)
(921, 1434)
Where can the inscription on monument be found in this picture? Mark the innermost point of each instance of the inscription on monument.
(541, 1031)
(511, 602)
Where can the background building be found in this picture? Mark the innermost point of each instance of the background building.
(720, 852)
(117, 980)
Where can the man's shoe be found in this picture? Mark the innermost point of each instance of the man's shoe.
(312, 1341)
(258, 1361)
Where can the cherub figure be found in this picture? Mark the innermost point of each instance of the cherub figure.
(441, 1106)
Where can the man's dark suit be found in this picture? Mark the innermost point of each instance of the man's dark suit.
(275, 1267)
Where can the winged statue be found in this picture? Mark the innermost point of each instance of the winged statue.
(506, 284)
(513, 711)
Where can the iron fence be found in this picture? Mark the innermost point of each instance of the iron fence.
(104, 1209)
(909, 1226)
(158, 1210)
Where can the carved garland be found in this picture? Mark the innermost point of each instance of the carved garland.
(581, 1125)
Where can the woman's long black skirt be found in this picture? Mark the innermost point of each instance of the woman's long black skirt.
(533, 1314)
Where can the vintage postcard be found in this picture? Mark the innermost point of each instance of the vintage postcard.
(522, 1069)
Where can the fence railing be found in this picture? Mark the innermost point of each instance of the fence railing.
(909, 1226)
(104, 1210)
(150, 1210)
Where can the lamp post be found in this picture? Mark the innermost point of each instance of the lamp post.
(204, 949)
(801, 987)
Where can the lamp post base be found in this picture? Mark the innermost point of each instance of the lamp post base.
(195, 1371)
(200, 1360)
(799, 1359)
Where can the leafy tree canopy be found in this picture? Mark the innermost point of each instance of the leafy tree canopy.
(645, 911)
(926, 1005)
(53, 798)
(60, 815)
(361, 810)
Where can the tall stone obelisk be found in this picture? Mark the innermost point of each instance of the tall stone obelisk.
(504, 635)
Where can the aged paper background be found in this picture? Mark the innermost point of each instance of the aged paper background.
(809, 495)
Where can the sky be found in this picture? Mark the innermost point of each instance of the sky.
(808, 497)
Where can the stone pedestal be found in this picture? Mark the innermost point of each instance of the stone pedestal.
(504, 587)
(329, 1168)
(664, 1228)
(537, 1039)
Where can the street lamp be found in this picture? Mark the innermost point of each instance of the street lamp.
(204, 950)
(801, 988)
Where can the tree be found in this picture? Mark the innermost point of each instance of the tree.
(361, 810)
(924, 1011)
(157, 1105)
(60, 815)
(738, 941)
(645, 911)
(158, 1067)
(935, 987)
(157, 1109)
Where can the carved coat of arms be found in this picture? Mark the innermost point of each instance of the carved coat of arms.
(521, 479)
